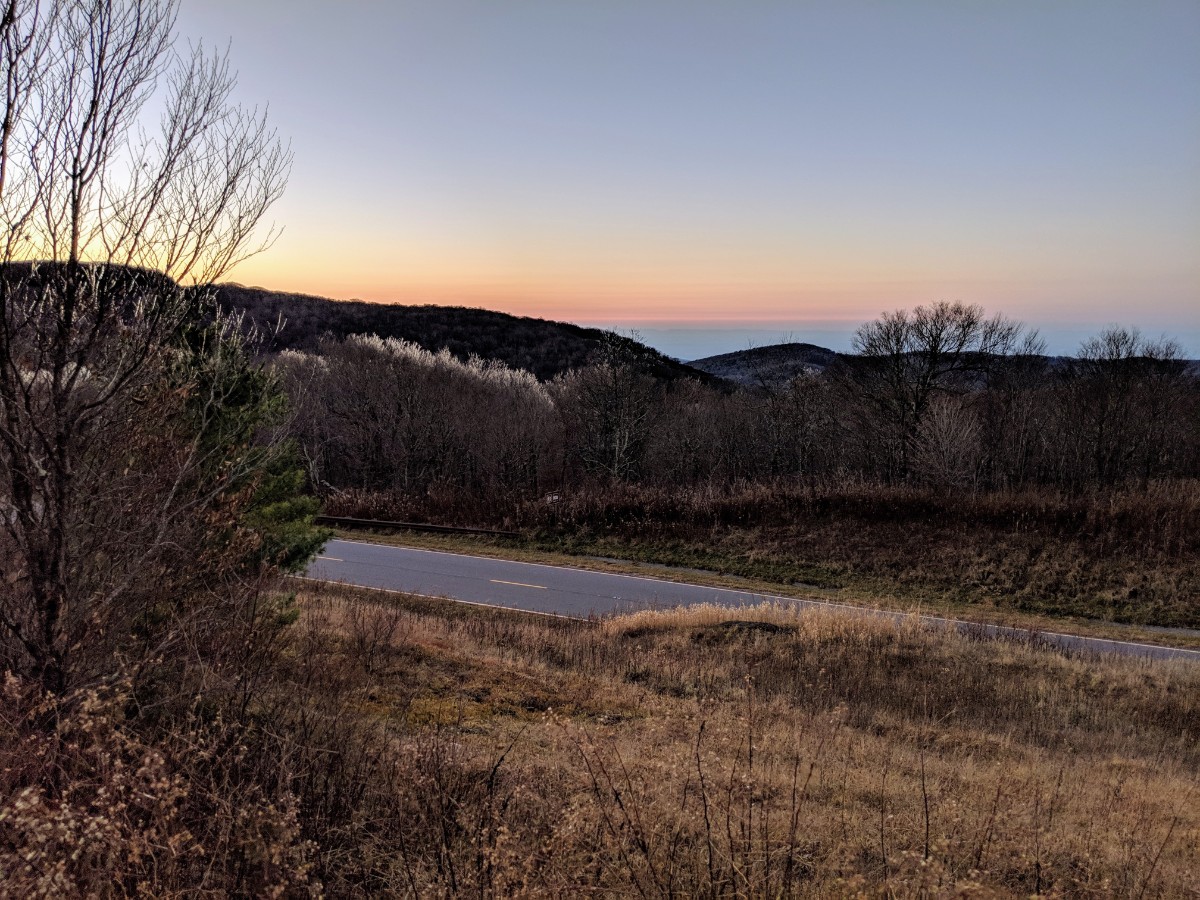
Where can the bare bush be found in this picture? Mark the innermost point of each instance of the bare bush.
(94, 809)
(948, 452)
(373, 630)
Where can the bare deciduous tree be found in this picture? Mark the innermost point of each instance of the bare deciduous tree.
(1123, 399)
(105, 225)
(908, 358)
(947, 453)
(606, 409)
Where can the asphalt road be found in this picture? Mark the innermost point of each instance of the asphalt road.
(580, 593)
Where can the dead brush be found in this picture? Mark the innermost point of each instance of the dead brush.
(373, 630)
(728, 825)
(1116, 553)
(95, 808)
(758, 752)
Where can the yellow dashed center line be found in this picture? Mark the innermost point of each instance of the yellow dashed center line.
(540, 587)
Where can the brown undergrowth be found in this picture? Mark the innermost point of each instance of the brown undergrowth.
(711, 752)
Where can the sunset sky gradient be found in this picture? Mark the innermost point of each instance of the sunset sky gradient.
(732, 169)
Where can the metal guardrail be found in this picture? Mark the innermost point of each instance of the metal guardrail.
(351, 522)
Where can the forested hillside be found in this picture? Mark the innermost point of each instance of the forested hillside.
(771, 366)
(540, 346)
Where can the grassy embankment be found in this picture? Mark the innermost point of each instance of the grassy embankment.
(653, 561)
(1036, 559)
(751, 753)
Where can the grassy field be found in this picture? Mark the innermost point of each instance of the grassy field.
(752, 753)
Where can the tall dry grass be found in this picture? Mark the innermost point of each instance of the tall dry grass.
(406, 747)
(762, 752)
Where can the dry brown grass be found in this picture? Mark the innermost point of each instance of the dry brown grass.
(711, 752)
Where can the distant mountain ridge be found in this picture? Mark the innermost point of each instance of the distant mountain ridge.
(771, 366)
(541, 346)
(777, 365)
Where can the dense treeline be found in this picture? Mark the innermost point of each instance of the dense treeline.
(384, 414)
(941, 397)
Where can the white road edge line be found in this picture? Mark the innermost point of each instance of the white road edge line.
(1178, 652)
(381, 590)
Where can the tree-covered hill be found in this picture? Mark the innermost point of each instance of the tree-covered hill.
(545, 348)
(771, 366)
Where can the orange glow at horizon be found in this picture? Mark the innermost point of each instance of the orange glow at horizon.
(607, 297)
(713, 272)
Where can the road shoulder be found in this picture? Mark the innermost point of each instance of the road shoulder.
(522, 551)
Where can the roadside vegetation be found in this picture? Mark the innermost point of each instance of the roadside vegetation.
(383, 745)
(710, 752)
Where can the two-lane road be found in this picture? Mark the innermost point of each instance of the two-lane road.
(558, 590)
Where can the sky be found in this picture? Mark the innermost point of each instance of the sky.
(721, 175)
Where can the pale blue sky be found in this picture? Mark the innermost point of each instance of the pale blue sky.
(762, 165)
